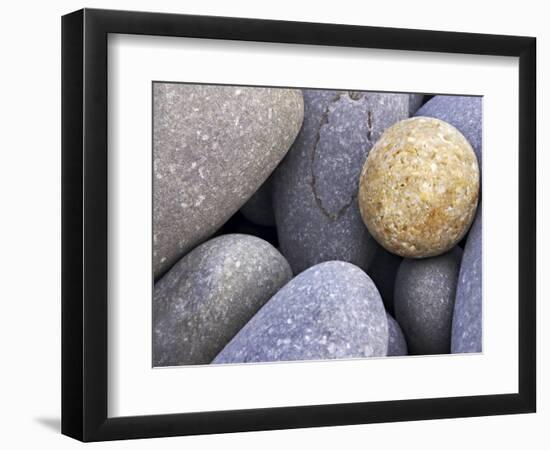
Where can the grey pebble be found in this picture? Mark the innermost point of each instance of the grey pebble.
(259, 208)
(397, 345)
(467, 319)
(424, 300)
(330, 311)
(207, 297)
(213, 147)
(315, 187)
(462, 112)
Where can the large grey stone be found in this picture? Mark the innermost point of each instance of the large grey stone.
(383, 271)
(330, 311)
(315, 187)
(259, 208)
(206, 298)
(462, 112)
(467, 318)
(213, 147)
(424, 300)
(397, 345)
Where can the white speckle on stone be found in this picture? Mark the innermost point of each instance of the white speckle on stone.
(238, 92)
(289, 320)
(200, 199)
(237, 264)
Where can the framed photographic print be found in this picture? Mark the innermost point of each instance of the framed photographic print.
(274, 224)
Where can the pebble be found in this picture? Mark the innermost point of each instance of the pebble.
(213, 147)
(330, 311)
(210, 294)
(467, 319)
(425, 292)
(419, 188)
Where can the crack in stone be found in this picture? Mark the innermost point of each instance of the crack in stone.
(313, 182)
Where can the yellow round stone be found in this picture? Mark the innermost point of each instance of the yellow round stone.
(418, 190)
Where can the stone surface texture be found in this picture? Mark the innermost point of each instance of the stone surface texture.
(397, 345)
(330, 311)
(259, 208)
(210, 294)
(213, 147)
(315, 187)
(419, 188)
(425, 292)
(467, 319)
(462, 112)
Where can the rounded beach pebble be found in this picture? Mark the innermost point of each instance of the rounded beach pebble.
(210, 294)
(419, 188)
(213, 147)
(330, 311)
(424, 301)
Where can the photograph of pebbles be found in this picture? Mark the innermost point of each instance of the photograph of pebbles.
(314, 224)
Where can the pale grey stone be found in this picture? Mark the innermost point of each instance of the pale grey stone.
(330, 311)
(315, 187)
(467, 318)
(213, 147)
(207, 297)
(424, 301)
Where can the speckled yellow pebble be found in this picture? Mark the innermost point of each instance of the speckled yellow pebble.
(418, 190)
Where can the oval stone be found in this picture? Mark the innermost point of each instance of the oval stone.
(397, 345)
(424, 301)
(213, 147)
(462, 112)
(467, 318)
(330, 311)
(419, 188)
(315, 187)
(207, 297)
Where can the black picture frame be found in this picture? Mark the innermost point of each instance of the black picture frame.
(84, 224)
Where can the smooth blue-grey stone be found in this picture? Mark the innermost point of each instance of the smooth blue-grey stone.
(397, 345)
(383, 271)
(424, 300)
(462, 112)
(210, 294)
(330, 311)
(259, 208)
(467, 326)
(315, 187)
(415, 102)
(213, 147)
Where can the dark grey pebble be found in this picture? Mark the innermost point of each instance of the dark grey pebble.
(462, 112)
(424, 300)
(330, 311)
(467, 319)
(213, 147)
(397, 345)
(210, 294)
(315, 187)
